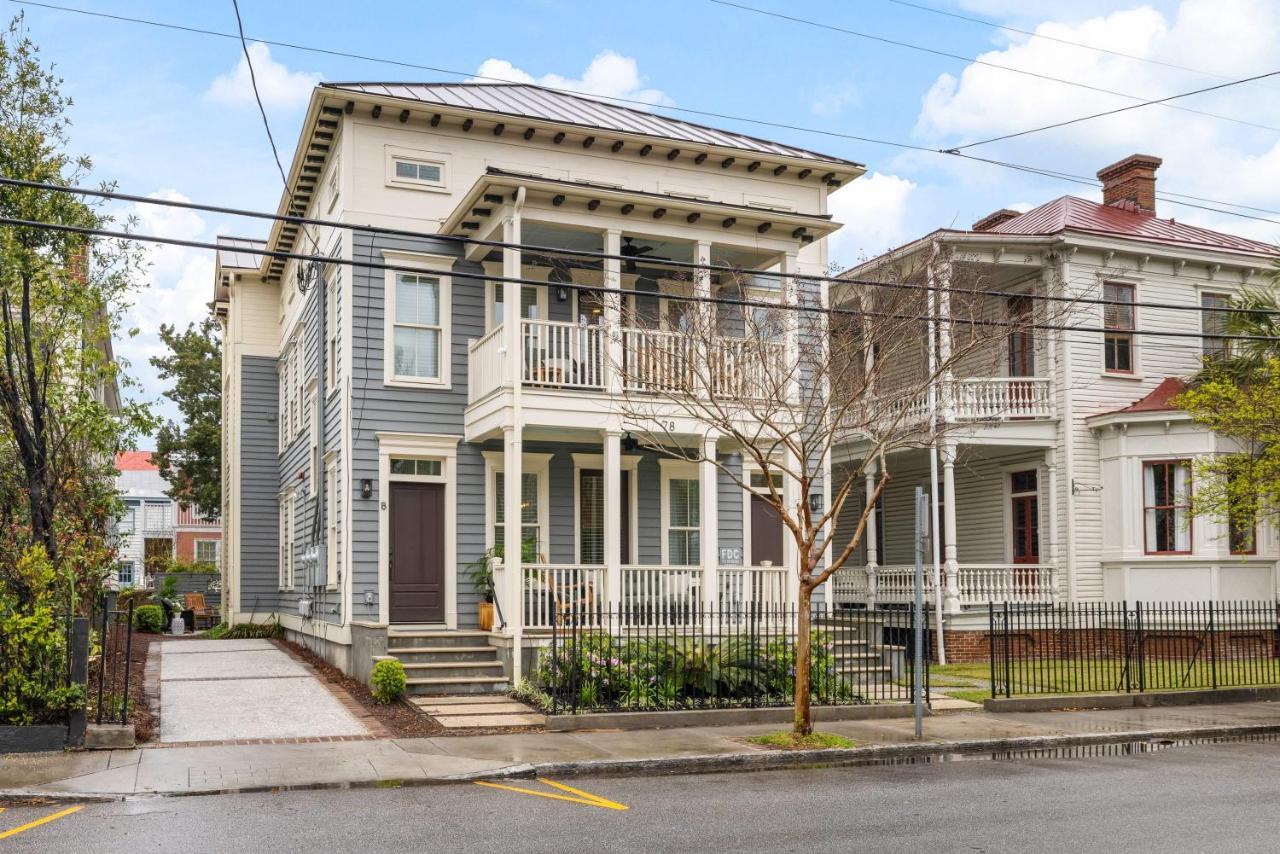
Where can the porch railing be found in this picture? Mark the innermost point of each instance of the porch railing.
(752, 585)
(659, 594)
(551, 590)
(484, 365)
(656, 361)
(1000, 398)
(1013, 583)
(562, 354)
(977, 584)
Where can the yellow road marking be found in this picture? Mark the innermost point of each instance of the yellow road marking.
(54, 817)
(578, 796)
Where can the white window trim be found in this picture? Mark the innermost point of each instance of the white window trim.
(288, 524)
(530, 463)
(195, 550)
(313, 404)
(333, 330)
(334, 182)
(628, 463)
(676, 470)
(1006, 488)
(1135, 346)
(332, 491)
(489, 301)
(430, 158)
(427, 445)
(440, 266)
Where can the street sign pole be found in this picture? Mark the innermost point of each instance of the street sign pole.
(922, 531)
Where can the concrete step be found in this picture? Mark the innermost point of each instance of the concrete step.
(429, 685)
(491, 669)
(425, 654)
(431, 638)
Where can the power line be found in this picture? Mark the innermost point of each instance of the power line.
(1170, 197)
(974, 60)
(581, 253)
(1044, 37)
(86, 231)
(1079, 119)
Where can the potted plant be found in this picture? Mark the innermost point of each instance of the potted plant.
(480, 571)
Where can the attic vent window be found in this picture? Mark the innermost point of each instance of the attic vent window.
(425, 173)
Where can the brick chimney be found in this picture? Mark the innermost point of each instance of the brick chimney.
(991, 220)
(1131, 183)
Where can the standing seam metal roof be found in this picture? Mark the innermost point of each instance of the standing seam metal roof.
(228, 256)
(538, 102)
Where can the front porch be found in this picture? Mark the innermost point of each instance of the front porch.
(996, 531)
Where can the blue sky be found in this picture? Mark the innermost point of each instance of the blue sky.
(170, 113)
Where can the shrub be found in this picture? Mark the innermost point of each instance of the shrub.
(387, 681)
(247, 631)
(217, 632)
(33, 647)
(148, 618)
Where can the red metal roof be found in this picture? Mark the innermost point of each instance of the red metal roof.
(1159, 399)
(135, 461)
(1069, 213)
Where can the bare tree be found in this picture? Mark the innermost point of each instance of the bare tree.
(761, 366)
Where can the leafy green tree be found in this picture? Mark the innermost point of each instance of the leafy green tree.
(190, 456)
(62, 299)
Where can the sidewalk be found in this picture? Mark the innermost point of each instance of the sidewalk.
(231, 767)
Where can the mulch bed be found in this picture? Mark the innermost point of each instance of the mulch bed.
(144, 723)
(402, 719)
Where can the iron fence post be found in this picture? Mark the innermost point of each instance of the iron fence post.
(1213, 648)
(102, 656)
(1008, 655)
(1125, 649)
(555, 665)
(78, 718)
(1142, 667)
(128, 655)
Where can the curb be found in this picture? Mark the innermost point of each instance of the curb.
(759, 760)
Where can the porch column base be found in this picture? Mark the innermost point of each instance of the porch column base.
(951, 587)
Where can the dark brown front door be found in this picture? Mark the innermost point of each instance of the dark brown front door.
(766, 532)
(416, 553)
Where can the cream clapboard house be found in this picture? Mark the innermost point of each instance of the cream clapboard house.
(387, 428)
(1065, 474)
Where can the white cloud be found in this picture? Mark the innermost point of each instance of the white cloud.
(1203, 155)
(874, 212)
(278, 86)
(833, 99)
(610, 75)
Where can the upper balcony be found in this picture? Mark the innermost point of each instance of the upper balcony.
(559, 358)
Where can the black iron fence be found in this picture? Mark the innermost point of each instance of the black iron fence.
(621, 660)
(1101, 647)
(111, 650)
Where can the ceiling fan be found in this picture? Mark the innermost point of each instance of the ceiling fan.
(632, 252)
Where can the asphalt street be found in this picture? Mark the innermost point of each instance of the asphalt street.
(1212, 797)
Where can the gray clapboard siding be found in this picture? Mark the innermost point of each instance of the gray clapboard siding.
(259, 484)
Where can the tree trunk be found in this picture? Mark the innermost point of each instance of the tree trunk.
(804, 654)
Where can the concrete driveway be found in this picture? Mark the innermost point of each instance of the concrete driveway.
(230, 690)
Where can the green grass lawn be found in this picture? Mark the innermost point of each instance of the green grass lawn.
(1100, 675)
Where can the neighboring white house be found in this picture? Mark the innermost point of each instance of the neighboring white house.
(1068, 474)
(147, 526)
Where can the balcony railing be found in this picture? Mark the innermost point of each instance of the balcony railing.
(976, 584)
(484, 365)
(656, 361)
(566, 355)
(1001, 398)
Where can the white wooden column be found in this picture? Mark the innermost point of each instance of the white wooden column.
(947, 398)
(791, 325)
(870, 536)
(613, 518)
(1051, 490)
(512, 334)
(513, 537)
(950, 564)
(709, 521)
(613, 312)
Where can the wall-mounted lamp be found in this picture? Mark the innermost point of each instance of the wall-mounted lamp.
(815, 502)
(366, 488)
(560, 276)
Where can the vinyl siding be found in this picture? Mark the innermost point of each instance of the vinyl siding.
(259, 484)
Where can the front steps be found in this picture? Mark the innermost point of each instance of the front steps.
(438, 663)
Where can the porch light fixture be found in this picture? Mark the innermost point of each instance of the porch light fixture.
(628, 443)
(366, 488)
(815, 502)
(560, 276)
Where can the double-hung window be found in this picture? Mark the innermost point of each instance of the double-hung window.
(286, 541)
(1213, 325)
(1117, 319)
(1166, 503)
(684, 523)
(1242, 522)
(530, 526)
(332, 327)
(207, 551)
(418, 334)
(528, 303)
(124, 573)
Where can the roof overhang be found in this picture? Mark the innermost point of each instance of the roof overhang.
(479, 207)
(1155, 416)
